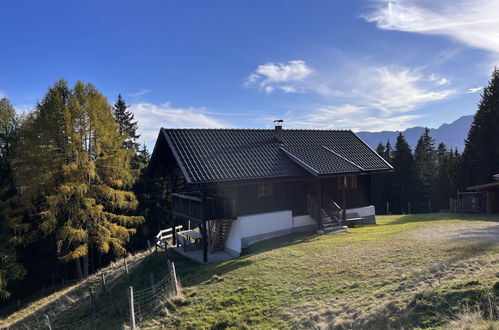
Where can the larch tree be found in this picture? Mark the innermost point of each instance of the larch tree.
(481, 152)
(75, 176)
(10, 269)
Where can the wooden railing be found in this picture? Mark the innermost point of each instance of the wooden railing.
(190, 207)
(165, 235)
(332, 209)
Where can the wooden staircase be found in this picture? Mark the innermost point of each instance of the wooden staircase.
(219, 234)
(330, 213)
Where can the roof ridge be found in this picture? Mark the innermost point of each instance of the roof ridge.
(254, 129)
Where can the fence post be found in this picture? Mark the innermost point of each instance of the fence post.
(409, 207)
(175, 282)
(103, 281)
(92, 300)
(148, 246)
(132, 310)
(387, 208)
(429, 206)
(48, 322)
(126, 265)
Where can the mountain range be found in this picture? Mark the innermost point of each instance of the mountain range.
(453, 134)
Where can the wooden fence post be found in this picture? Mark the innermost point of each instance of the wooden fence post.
(48, 322)
(409, 207)
(387, 208)
(148, 246)
(175, 282)
(126, 265)
(103, 281)
(92, 300)
(429, 206)
(132, 310)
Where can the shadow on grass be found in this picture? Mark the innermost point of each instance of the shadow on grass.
(192, 273)
(407, 218)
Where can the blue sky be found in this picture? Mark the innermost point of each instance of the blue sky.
(361, 65)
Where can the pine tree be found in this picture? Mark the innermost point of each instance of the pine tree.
(425, 165)
(10, 269)
(403, 176)
(481, 153)
(447, 178)
(378, 185)
(76, 176)
(128, 131)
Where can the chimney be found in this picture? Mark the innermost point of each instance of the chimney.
(278, 130)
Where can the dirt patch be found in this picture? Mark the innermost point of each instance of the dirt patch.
(483, 231)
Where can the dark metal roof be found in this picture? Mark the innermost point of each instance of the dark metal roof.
(211, 155)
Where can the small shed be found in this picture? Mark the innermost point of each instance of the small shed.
(489, 195)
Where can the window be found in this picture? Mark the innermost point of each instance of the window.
(265, 189)
(351, 182)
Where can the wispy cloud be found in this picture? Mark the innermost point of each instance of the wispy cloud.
(140, 93)
(472, 22)
(271, 76)
(394, 90)
(473, 90)
(365, 96)
(152, 117)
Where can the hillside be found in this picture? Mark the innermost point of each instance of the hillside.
(417, 271)
(453, 134)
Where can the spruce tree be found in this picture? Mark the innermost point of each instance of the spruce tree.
(425, 165)
(403, 176)
(378, 186)
(128, 130)
(10, 269)
(481, 152)
(76, 176)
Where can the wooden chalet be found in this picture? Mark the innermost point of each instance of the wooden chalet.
(240, 186)
(483, 198)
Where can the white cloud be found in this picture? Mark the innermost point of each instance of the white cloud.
(393, 90)
(152, 117)
(271, 76)
(472, 22)
(473, 90)
(348, 116)
(140, 93)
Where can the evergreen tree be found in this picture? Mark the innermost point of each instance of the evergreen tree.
(425, 165)
(378, 191)
(403, 176)
(446, 182)
(10, 269)
(481, 153)
(128, 131)
(76, 177)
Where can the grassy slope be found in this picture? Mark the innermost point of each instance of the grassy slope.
(363, 278)
(366, 278)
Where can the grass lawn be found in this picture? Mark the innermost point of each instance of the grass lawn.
(411, 271)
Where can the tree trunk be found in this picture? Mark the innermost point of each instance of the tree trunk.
(78, 269)
(85, 266)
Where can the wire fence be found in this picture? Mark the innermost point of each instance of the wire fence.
(107, 306)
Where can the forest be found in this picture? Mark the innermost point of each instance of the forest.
(75, 194)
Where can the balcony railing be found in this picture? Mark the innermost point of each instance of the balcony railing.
(189, 207)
